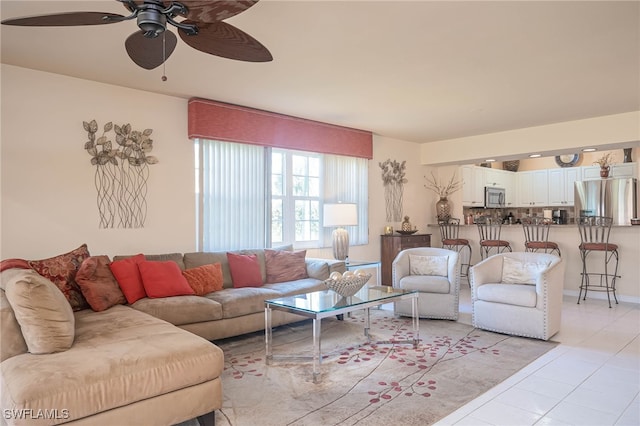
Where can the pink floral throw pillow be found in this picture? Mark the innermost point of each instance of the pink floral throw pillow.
(62, 270)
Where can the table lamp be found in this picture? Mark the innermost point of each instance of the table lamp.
(339, 215)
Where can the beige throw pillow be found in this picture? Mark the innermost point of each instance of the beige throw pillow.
(45, 317)
(517, 272)
(428, 265)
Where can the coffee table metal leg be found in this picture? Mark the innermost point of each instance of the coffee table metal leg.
(317, 356)
(415, 321)
(367, 324)
(267, 334)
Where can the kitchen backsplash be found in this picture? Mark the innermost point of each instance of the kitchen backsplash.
(480, 214)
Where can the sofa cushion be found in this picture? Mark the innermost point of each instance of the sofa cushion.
(428, 265)
(426, 283)
(291, 288)
(245, 270)
(517, 272)
(317, 268)
(128, 276)
(284, 266)
(11, 341)
(120, 356)
(61, 270)
(176, 257)
(181, 310)
(193, 260)
(45, 317)
(98, 284)
(163, 279)
(511, 294)
(243, 301)
(204, 279)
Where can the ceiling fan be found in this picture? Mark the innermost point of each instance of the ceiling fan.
(198, 22)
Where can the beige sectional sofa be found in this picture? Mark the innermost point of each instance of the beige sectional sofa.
(231, 311)
(151, 362)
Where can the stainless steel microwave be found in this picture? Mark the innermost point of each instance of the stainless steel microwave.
(494, 197)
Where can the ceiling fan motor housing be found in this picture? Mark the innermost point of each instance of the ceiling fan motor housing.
(151, 20)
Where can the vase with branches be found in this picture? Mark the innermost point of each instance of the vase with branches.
(393, 179)
(443, 189)
(605, 164)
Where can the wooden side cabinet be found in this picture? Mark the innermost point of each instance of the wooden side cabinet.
(391, 245)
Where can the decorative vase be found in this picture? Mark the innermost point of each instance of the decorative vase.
(406, 225)
(604, 172)
(627, 155)
(388, 230)
(443, 209)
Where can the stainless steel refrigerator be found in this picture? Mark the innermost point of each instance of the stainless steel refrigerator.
(614, 197)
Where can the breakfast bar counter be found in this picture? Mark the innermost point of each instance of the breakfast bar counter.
(627, 237)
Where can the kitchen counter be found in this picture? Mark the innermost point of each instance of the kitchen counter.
(627, 237)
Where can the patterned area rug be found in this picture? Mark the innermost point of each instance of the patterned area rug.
(367, 383)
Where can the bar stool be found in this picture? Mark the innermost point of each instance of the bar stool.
(449, 231)
(490, 239)
(536, 235)
(594, 236)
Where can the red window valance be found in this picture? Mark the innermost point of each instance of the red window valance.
(227, 122)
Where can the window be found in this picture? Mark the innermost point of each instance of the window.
(250, 196)
(295, 198)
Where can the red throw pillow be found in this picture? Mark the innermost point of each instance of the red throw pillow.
(61, 270)
(204, 279)
(98, 284)
(285, 265)
(163, 279)
(128, 277)
(245, 270)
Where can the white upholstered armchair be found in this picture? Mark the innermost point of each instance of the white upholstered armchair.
(435, 273)
(518, 293)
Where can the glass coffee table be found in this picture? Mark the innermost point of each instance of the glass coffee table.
(327, 303)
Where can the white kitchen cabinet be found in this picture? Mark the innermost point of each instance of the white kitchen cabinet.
(510, 190)
(616, 170)
(473, 182)
(532, 188)
(625, 170)
(561, 185)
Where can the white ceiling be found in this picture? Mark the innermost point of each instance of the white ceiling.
(419, 71)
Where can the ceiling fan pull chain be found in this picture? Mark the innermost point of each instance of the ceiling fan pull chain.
(164, 55)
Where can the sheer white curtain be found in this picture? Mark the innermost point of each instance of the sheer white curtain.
(232, 201)
(346, 180)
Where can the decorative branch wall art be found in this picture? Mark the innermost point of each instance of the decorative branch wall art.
(393, 179)
(121, 173)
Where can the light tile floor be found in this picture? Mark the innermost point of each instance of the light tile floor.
(591, 378)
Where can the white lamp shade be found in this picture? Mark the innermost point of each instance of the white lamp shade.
(340, 215)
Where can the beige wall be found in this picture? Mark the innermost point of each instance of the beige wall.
(48, 199)
(554, 139)
(48, 191)
(416, 199)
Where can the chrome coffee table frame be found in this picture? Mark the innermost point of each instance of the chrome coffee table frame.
(327, 303)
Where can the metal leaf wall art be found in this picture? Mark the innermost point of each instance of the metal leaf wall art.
(122, 171)
(393, 179)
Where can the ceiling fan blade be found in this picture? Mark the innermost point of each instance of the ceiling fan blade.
(69, 19)
(150, 53)
(215, 10)
(222, 39)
